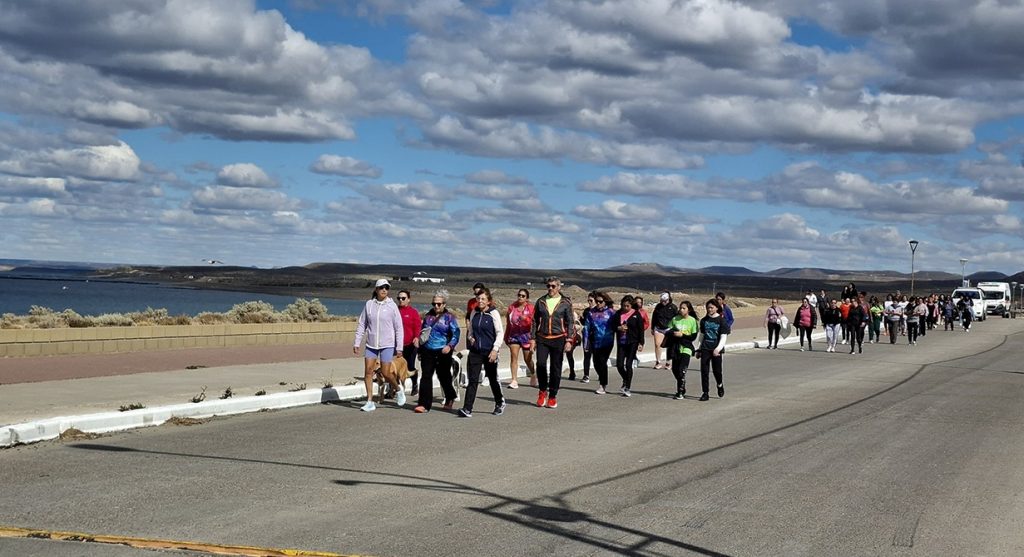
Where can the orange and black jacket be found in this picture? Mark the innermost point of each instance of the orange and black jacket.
(560, 324)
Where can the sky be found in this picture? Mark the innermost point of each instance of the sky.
(540, 133)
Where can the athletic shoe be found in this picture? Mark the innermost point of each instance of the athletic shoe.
(600, 390)
(572, 377)
(721, 391)
(513, 385)
(448, 405)
(369, 406)
(552, 402)
(860, 350)
(626, 393)
(499, 409)
(542, 399)
(801, 348)
(679, 396)
(586, 379)
(463, 413)
(400, 397)
(421, 410)
(704, 397)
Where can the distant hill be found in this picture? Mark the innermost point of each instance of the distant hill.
(987, 276)
(814, 273)
(647, 268)
(729, 271)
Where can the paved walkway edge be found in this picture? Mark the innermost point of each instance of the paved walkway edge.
(106, 422)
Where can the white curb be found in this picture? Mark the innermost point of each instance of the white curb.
(105, 422)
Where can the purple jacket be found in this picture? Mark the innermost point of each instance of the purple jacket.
(381, 323)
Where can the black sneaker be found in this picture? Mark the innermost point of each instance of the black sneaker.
(721, 391)
(704, 397)
(499, 409)
(463, 413)
(679, 396)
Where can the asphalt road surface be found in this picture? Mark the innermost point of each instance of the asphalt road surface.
(904, 450)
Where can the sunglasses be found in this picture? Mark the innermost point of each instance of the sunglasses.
(522, 295)
(552, 286)
(403, 298)
(385, 287)
(438, 304)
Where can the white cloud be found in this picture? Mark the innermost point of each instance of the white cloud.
(245, 175)
(420, 196)
(242, 199)
(344, 166)
(11, 186)
(495, 177)
(100, 162)
(617, 210)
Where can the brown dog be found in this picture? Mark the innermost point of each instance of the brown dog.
(401, 370)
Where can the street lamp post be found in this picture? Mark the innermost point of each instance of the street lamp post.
(963, 270)
(1013, 288)
(913, 250)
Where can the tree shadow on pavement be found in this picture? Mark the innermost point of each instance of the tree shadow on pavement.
(557, 520)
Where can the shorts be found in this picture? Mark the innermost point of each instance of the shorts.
(385, 355)
(522, 339)
(660, 330)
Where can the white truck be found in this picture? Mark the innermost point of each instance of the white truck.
(997, 297)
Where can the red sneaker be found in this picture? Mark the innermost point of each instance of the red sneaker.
(552, 403)
(542, 399)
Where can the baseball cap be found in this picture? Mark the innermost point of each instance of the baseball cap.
(665, 297)
(382, 282)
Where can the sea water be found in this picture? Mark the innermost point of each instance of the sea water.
(95, 297)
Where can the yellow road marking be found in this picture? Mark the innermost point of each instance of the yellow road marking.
(148, 543)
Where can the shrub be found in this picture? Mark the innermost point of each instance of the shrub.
(148, 317)
(211, 318)
(306, 310)
(113, 320)
(253, 312)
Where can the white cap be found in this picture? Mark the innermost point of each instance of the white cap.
(665, 296)
(382, 282)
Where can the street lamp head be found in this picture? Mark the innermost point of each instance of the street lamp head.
(913, 245)
(963, 261)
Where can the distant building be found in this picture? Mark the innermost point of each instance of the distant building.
(427, 279)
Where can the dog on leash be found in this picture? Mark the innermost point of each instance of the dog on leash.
(401, 370)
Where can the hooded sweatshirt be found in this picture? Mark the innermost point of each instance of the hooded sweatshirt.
(381, 324)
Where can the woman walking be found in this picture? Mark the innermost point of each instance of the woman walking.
(664, 312)
(628, 325)
(713, 331)
(600, 336)
(411, 325)
(831, 318)
(773, 320)
(856, 322)
(518, 323)
(683, 331)
(805, 320)
(438, 339)
(875, 327)
(588, 351)
(893, 316)
(380, 324)
(484, 336)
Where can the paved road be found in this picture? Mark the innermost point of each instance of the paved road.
(900, 451)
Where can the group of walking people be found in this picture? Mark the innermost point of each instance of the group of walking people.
(544, 334)
(848, 318)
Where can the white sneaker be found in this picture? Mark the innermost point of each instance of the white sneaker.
(626, 393)
(369, 406)
(400, 397)
(801, 348)
(600, 390)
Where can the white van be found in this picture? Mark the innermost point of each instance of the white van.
(997, 297)
(977, 298)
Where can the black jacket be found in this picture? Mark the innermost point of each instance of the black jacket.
(634, 328)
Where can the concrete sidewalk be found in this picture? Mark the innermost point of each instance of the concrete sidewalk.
(42, 410)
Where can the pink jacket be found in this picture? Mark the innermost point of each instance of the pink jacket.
(381, 324)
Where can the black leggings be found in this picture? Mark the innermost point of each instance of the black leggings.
(624, 357)
(587, 355)
(679, 364)
(431, 361)
(476, 361)
(774, 329)
(709, 362)
(856, 337)
(805, 331)
(912, 329)
(600, 359)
